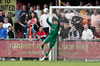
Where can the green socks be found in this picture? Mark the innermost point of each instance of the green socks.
(47, 53)
(42, 46)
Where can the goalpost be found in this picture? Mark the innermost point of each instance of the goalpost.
(53, 53)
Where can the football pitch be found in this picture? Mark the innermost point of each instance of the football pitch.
(49, 63)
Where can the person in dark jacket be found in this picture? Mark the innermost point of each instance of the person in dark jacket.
(10, 32)
(73, 33)
(1, 16)
(64, 31)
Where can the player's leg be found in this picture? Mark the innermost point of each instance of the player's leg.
(42, 47)
(52, 43)
(42, 59)
(44, 42)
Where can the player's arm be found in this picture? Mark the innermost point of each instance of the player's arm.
(49, 22)
(57, 20)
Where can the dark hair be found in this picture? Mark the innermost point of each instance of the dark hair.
(35, 15)
(54, 19)
(1, 21)
(9, 26)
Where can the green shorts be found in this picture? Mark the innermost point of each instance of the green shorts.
(51, 40)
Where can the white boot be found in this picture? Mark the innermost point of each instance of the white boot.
(42, 59)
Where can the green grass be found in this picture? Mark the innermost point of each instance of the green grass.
(48, 63)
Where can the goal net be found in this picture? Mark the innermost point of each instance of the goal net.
(78, 39)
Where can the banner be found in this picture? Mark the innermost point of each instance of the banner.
(8, 6)
(79, 50)
(21, 48)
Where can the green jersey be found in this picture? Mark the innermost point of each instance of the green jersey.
(54, 28)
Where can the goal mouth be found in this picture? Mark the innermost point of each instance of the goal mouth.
(70, 47)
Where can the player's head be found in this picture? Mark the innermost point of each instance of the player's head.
(54, 21)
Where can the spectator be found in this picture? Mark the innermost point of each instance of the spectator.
(34, 7)
(23, 12)
(97, 3)
(31, 11)
(81, 4)
(38, 11)
(89, 11)
(41, 34)
(97, 33)
(17, 13)
(58, 13)
(28, 6)
(29, 30)
(43, 22)
(63, 19)
(82, 12)
(51, 4)
(64, 31)
(1, 16)
(25, 23)
(6, 24)
(3, 31)
(21, 30)
(26, 19)
(10, 32)
(73, 33)
(85, 19)
(45, 6)
(17, 17)
(87, 33)
(68, 4)
(76, 21)
(69, 16)
(95, 19)
(34, 20)
(9, 18)
(22, 19)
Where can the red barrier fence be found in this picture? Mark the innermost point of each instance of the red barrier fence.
(66, 49)
(79, 50)
(20, 48)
